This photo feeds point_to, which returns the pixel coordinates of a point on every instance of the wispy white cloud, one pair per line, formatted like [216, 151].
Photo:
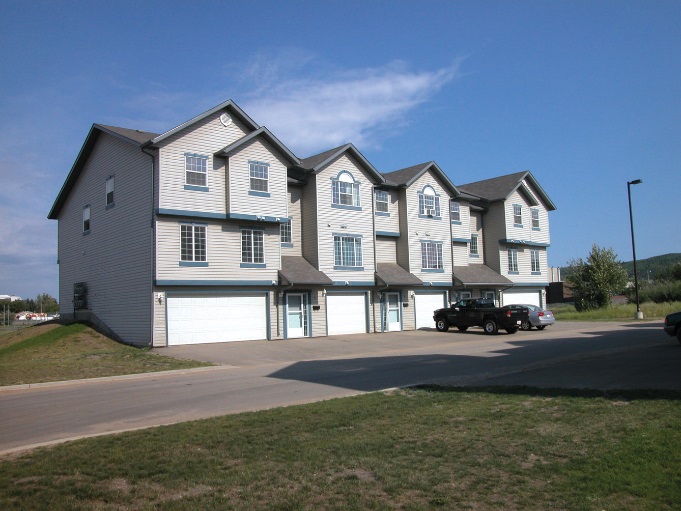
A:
[361, 106]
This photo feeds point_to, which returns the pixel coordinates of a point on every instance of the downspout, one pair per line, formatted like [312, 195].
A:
[153, 244]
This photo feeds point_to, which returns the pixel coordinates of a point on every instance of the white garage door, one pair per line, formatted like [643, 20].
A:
[425, 305]
[203, 319]
[346, 313]
[522, 297]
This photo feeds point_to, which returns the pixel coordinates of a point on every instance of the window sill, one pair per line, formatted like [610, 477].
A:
[346, 206]
[432, 270]
[196, 188]
[474, 256]
[456, 222]
[520, 226]
[349, 268]
[110, 206]
[287, 245]
[194, 264]
[430, 217]
[535, 273]
[382, 213]
[258, 194]
[513, 273]
[252, 265]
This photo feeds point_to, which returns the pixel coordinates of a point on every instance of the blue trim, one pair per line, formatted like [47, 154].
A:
[456, 222]
[432, 270]
[366, 283]
[287, 245]
[193, 155]
[256, 162]
[344, 206]
[349, 268]
[437, 284]
[85, 233]
[257, 218]
[195, 214]
[194, 264]
[388, 233]
[196, 188]
[474, 256]
[538, 285]
[536, 228]
[428, 217]
[258, 194]
[535, 273]
[381, 213]
[524, 242]
[253, 265]
[200, 224]
[461, 240]
[337, 178]
[513, 273]
[213, 283]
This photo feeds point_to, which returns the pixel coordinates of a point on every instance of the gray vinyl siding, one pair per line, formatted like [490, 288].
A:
[332, 220]
[495, 230]
[391, 221]
[463, 229]
[403, 254]
[476, 228]
[223, 247]
[295, 195]
[309, 228]
[240, 201]
[429, 229]
[114, 259]
[386, 249]
[203, 138]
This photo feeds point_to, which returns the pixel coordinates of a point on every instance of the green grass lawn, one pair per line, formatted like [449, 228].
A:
[624, 312]
[426, 448]
[54, 353]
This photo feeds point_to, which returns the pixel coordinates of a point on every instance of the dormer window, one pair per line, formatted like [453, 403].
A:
[429, 203]
[345, 190]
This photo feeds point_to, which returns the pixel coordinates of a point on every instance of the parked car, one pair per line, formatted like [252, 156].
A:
[479, 312]
[672, 325]
[538, 317]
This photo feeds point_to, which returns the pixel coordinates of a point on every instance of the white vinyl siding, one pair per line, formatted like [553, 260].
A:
[118, 281]
[386, 250]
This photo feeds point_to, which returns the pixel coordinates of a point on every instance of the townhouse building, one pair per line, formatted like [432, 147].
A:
[215, 231]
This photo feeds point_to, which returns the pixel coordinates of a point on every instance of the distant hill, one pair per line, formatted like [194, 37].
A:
[657, 267]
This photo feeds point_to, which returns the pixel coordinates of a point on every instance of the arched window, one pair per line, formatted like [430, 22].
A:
[429, 202]
[345, 190]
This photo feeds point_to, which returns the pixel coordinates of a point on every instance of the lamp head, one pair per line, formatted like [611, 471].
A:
[635, 182]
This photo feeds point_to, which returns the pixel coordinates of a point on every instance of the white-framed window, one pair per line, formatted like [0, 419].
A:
[382, 201]
[473, 247]
[347, 251]
[345, 191]
[517, 214]
[252, 246]
[86, 218]
[192, 243]
[455, 211]
[110, 191]
[512, 260]
[534, 258]
[260, 175]
[195, 170]
[429, 202]
[535, 218]
[285, 232]
[431, 255]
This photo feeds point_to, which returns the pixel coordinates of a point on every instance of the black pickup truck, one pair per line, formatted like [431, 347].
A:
[480, 312]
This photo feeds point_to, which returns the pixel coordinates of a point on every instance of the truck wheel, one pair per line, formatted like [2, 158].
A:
[462, 328]
[490, 326]
[441, 325]
[512, 330]
[526, 325]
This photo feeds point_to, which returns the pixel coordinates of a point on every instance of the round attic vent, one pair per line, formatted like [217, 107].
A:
[225, 119]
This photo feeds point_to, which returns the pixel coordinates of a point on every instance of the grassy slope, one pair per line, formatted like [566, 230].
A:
[72, 352]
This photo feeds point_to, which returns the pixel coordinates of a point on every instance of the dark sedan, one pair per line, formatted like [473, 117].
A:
[672, 325]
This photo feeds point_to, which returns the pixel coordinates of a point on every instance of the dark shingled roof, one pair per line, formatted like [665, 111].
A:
[500, 188]
[394, 275]
[138, 136]
[479, 274]
[404, 176]
[312, 161]
[297, 270]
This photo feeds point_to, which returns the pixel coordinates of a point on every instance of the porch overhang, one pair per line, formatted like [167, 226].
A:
[392, 274]
[296, 270]
[479, 275]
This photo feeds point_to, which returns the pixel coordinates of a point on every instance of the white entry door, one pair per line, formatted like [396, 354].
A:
[296, 315]
[391, 311]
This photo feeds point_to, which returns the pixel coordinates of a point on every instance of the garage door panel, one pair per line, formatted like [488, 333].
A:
[208, 319]
[425, 305]
[346, 313]
[522, 297]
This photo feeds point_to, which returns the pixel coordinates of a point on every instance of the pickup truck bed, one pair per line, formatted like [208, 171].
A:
[482, 313]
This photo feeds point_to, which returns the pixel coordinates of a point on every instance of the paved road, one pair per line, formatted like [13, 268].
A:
[259, 375]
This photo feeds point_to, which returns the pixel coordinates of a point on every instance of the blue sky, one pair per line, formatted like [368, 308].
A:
[586, 95]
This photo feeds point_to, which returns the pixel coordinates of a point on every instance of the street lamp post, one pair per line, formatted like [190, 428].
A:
[639, 313]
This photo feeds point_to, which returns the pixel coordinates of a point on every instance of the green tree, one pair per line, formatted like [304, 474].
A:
[595, 280]
[676, 271]
[46, 303]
